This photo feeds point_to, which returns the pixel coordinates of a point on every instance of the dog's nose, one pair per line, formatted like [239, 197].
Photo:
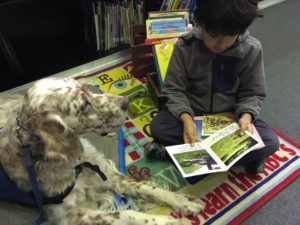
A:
[124, 104]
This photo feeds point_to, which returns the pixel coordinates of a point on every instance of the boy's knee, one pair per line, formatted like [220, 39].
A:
[276, 143]
[154, 128]
[273, 144]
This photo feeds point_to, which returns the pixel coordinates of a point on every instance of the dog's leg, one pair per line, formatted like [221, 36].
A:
[186, 204]
[84, 216]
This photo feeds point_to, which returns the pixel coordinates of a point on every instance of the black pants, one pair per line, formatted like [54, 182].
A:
[168, 130]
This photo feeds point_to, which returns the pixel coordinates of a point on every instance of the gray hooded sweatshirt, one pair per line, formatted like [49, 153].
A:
[232, 81]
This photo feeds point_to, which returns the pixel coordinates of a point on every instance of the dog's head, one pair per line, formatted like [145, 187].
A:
[70, 104]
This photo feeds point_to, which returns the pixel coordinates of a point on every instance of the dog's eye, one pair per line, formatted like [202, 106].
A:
[86, 106]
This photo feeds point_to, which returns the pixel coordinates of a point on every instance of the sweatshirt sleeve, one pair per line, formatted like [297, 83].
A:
[252, 88]
[176, 84]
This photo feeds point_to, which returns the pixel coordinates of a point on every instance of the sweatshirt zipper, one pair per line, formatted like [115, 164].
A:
[214, 71]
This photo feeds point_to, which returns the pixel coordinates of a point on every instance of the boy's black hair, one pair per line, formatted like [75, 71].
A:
[226, 17]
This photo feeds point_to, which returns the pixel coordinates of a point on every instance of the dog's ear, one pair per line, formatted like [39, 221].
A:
[55, 123]
[56, 139]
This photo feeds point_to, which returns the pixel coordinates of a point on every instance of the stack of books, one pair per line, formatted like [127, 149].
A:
[162, 25]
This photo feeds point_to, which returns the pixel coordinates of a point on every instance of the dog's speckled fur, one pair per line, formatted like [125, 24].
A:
[59, 111]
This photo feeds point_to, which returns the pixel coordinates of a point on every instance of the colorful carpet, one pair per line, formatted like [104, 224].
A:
[230, 197]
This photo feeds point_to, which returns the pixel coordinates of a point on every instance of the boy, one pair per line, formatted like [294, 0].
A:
[216, 68]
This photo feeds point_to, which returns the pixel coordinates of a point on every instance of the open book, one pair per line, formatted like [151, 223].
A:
[216, 153]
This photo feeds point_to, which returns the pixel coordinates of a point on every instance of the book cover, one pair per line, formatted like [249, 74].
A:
[198, 121]
[214, 122]
[162, 54]
[183, 14]
[153, 41]
[191, 6]
[158, 28]
[216, 153]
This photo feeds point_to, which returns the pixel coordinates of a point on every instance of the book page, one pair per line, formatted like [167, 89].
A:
[195, 160]
[229, 146]
[257, 136]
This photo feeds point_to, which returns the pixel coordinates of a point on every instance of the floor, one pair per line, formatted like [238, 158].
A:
[279, 33]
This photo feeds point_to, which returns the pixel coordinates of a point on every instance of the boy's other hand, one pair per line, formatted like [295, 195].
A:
[189, 129]
[245, 123]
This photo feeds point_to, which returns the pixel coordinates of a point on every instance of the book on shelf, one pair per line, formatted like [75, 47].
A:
[158, 28]
[166, 24]
[177, 4]
[189, 5]
[184, 4]
[166, 5]
[183, 14]
[217, 153]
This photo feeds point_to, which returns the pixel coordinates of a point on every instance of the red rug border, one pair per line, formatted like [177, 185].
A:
[272, 193]
[286, 138]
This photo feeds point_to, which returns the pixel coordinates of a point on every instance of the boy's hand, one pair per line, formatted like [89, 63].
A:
[245, 123]
[189, 129]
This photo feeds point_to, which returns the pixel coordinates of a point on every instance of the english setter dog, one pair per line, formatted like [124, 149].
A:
[51, 117]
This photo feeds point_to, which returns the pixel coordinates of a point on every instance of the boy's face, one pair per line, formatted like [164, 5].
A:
[217, 43]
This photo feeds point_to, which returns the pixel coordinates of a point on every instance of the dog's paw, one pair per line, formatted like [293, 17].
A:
[187, 204]
[156, 220]
[165, 220]
[112, 134]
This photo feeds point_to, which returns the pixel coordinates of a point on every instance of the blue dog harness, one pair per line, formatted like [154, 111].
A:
[9, 191]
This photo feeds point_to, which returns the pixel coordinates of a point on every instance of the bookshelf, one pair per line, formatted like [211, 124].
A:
[111, 20]
[42, 38]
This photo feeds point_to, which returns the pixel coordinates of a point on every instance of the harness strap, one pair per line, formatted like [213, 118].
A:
[95, 168]
[26, 151]
[59, 198]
